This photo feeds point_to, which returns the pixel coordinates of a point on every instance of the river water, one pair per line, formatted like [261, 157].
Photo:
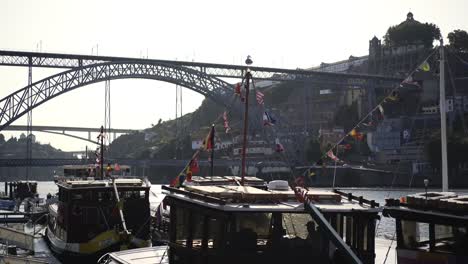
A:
[385, 226]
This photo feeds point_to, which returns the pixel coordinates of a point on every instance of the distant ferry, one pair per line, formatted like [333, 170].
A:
[92, 217]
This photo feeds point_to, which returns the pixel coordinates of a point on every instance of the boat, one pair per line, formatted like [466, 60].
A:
[248, 224]
[90, 219]
[432, 227]
[98, 211]
[432, 230]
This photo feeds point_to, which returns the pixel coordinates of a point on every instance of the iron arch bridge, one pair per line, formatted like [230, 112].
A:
[20, 102]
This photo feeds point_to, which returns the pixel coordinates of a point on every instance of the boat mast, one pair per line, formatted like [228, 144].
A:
[248, 76]
[101, 160]
[443, 120]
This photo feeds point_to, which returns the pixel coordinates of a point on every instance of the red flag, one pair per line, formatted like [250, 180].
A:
[226, 124]
[208, 141]
[299, 181]
[237, 89]
[194, 168]
[259, 95]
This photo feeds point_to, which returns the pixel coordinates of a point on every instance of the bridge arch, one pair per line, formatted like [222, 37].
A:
[20, 102]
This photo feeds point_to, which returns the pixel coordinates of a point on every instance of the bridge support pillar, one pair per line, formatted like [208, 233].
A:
[89, 135]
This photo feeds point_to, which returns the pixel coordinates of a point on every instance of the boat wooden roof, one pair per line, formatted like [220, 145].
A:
[249, 198]
[76, 184]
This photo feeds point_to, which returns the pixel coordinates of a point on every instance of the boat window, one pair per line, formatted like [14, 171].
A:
[415, 235]
[182, 226]
[256, 222]
[197, 229]
[215, 232]
[295, 225]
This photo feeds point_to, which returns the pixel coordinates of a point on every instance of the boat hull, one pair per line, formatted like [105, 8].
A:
[91, 250]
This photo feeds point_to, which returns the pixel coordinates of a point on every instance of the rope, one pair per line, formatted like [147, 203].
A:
[389, 247]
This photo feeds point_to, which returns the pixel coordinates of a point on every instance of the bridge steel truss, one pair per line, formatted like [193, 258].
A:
[67, 61]
[20, 102]
[203, 78]
[60, 130]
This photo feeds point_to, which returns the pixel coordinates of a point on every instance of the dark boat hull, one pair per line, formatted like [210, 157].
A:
[85, 252]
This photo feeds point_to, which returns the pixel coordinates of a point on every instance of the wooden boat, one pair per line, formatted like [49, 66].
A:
[95, 216]
[247, 224]
[430, 231]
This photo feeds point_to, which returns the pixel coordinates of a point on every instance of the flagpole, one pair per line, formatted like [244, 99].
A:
[443, 120]
[101, 161]
[212, 149]
[248, 75]
[334, 172]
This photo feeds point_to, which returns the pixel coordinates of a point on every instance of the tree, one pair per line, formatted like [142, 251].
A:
[412, 32]
[458, 40]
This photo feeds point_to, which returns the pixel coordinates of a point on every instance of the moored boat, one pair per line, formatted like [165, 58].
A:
[92, 217]
[430, 230]
[232, 224]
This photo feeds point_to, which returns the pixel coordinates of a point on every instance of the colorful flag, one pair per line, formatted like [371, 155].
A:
[177, 182]
[237, 89]
[194, 168]
[424, 66]
[279, 146]
[300, 181]
[394, 96]
[381, 110]
[188, 174]
[332, 156]
[410, 81]
[369, 124]
[208, 141]
[226, 123]
[268, 120]
[260, 96]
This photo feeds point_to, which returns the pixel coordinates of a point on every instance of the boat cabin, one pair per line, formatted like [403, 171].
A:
[246, 224]
[430, 227]
[87, 208]
[91, 171]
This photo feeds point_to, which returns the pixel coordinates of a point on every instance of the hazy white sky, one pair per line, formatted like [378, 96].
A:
[287, 34]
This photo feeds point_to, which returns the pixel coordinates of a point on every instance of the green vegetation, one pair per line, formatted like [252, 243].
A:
[411, 32]
[458, 40]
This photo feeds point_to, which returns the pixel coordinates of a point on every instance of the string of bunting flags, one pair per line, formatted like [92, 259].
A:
[358, 132]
